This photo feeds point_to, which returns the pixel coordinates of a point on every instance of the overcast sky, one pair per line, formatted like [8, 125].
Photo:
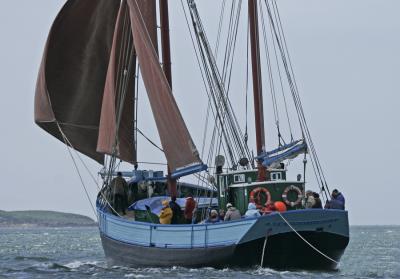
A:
[347, 64]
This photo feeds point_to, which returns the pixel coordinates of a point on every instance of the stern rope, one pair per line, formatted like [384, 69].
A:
[309, 244]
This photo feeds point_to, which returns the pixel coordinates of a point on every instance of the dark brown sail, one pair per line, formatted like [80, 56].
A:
[72, 74]
[118, 101]
[178, 146]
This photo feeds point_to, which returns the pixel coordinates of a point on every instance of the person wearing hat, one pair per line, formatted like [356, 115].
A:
[166, 213]
[310, 200]
[337, 201]
[232, 213]
[213, 218]
[252, 211]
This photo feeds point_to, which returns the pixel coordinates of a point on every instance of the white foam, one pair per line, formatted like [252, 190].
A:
[131, 275]
[77, 264]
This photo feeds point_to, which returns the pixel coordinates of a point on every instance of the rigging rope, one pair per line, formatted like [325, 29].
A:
[225, 118]
[68, 143]
[279, 35]
[136, 102]
[247, 78]
[270, 76]
[77, 170]
[197, 55]
[206, 76]
[263, 250]
[221, 18]
[308, 243]
[149, 140]
[281, 84]
[124, 69]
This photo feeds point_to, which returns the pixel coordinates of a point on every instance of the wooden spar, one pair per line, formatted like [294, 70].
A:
[257, 84]
[165, 43]
[166, 60]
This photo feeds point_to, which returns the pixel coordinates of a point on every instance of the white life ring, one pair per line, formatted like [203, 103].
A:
[299, 195]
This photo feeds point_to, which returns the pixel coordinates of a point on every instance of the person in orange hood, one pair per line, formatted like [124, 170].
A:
[190, 206]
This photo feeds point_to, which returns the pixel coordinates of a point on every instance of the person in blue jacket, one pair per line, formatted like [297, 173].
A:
[252, 211]
[213, 217]
[337, 201]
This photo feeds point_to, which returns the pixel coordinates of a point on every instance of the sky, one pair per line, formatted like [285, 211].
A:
[347, 64]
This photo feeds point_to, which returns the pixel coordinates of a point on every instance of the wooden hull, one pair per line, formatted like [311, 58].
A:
[325, 229]
[283, 251]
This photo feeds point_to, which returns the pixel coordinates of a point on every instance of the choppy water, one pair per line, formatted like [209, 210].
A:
[373, 252]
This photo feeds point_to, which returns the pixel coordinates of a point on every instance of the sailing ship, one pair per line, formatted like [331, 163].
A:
[86, 96]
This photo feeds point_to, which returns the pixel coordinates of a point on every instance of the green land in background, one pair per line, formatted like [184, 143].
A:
[43, 218]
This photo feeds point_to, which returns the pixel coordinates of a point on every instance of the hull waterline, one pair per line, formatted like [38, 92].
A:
[282, 252]
[283, 247]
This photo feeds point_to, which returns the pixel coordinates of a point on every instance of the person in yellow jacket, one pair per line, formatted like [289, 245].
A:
[166, 213]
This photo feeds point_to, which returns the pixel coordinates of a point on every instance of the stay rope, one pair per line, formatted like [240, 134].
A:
[308, 243]
[226, 120]
[69, 144]
[278, 33]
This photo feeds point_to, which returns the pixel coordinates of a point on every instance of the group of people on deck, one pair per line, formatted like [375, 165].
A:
[337, 200]
[233, 213]
[171, 209]
[172, 213]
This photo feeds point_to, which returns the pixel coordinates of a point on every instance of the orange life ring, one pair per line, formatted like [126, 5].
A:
[299, 195]
[255, 196]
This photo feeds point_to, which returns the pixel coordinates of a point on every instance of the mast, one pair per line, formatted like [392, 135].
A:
[165, 44]
[257, 85]
[166, 60]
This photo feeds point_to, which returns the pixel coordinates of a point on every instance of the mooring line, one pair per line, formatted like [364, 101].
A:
[312, 246]
[263, 251]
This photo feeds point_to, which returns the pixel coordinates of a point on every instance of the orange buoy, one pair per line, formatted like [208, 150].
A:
[280, 206]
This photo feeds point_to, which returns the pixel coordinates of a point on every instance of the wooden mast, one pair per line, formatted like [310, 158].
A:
[166, 60]
[257, 84]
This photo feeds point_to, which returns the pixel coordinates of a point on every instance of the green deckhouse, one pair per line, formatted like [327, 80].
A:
[239, 187]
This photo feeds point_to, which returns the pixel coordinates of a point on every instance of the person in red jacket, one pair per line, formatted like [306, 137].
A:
[190, 206]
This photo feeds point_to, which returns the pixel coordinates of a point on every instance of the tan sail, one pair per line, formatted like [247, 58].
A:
[72, 75]
[116, 122]
[176, 141]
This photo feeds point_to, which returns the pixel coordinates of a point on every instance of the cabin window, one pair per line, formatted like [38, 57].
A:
[276, 176]
[222, 186]
[238, 178]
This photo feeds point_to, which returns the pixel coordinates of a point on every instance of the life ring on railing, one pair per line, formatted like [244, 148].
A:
[299, 195]
[255, 196]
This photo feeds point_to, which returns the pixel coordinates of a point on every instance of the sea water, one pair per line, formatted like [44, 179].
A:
[373, 252]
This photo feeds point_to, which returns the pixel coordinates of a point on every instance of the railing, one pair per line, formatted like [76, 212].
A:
[176, 236]
[220, 234]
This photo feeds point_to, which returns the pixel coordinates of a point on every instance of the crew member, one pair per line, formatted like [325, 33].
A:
[119, 189]
[337, 201]
[166, 213]
[190, 206]
[232, 213]
[176, 210]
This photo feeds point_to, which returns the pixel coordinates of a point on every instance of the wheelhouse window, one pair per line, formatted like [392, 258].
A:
[239, 178]
[276, 176]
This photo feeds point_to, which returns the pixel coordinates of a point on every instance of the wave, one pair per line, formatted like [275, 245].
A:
[24, 258]
[78, 264]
